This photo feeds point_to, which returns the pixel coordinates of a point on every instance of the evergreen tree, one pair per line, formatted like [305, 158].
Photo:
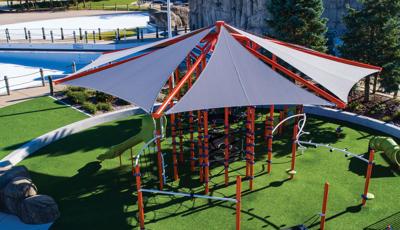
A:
[373, 36]
[299, 22]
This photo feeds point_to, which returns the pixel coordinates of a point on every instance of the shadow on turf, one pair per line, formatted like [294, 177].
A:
[350, 209]
[392, 220]
[378, 171]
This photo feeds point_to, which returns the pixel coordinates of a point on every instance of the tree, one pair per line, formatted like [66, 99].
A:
[372, 36]
[299, 22]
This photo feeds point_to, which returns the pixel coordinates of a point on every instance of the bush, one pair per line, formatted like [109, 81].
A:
[89, 107]
[378, 109]
[78, 97]
[356, 106]
[103, 97]
[104, 106]
[396, 115]
[386, 118]
[75, 88]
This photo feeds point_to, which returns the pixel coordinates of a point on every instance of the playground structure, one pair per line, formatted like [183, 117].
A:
[204, 82]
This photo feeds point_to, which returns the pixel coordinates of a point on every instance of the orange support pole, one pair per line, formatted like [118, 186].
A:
[226, 163]
[238, 200]
[173, 135]
[252, 144]
[159, 159]
[191, 128]
[200, 143]
[140, 197]
[206, 162]
[280, 129]
[180, 115]
[248, 142]
[324, 205]
[368, 176]
[270, 128]
[294, 148]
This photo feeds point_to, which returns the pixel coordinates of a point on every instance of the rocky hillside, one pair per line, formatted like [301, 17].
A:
[251, 15]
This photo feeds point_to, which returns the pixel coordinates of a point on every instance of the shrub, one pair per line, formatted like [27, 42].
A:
[396, 115]
[103, 97]
[356, 106]
[378, 109]
[386, 118]
[75, 88]
[89, 107]
[104, 106]
[78, 97]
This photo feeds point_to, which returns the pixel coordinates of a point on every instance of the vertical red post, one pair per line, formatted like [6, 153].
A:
[280, 129]
[159, 159]
[173, 135]
[206, 162]
[252, 144]
[238, 200]
[140, 197]
[294, 148]
[226, 163]
[270, 128]
[324, 205]
[200, 143]
[191, 128]
[248, 142]
[368, 176]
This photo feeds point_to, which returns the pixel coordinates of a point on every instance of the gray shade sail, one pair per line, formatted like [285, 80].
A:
[139, 81]
[337, 77]
[234, 77]
[114, 56]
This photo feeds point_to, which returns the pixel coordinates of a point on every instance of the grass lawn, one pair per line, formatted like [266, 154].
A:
[24, 121]
[110, 5]
[101, 195]
[111, 35]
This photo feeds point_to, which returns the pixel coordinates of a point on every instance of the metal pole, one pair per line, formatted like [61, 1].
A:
[86, 37]
[51, 36]
[80, 34]
[226, 162]
[294, 148]
[206, 162]
[51, 85]
[99, 34]
[157, 32]
[29, 36]
[7, 85]
[42, 76]
[62, 33]
[43, 34]
[140, 196]
[74, 34]
[73, 67]
[26, 34]
[270, 136]
[117, 35]
[169, 18]
[159, 158]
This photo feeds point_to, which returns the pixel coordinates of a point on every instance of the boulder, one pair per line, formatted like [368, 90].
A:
[8, 175]
[39, 209]
[15, 192]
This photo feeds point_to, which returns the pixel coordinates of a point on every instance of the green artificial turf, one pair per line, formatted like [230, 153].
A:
[24, 121]
[101, 195]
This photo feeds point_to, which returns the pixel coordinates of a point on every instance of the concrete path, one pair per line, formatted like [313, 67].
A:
[9, 18]
[26, 94]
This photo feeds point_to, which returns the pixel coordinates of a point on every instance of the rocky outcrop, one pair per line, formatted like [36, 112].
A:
[18, 196]
[179, 16]
[252, 15]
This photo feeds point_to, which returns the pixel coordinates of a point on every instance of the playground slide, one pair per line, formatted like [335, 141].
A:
[146, 134]
[390, 148]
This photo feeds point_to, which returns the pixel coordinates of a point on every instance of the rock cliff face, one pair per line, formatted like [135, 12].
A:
[251, 15]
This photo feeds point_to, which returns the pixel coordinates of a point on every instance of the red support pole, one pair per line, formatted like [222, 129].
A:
[238, 200]
[173, 135]
[270, 128]
[200, 143]
[159, 159]
[324, 205]
[294, 148]
[206, 162]
[368, 176]
[180, 115]
[140, 198]
[280, 129]
[248, 142]
[226, 163]
[191, 128]
[252, 144]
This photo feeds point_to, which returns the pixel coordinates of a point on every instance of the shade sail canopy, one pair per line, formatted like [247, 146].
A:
[234, 77]
[114, 56]
[139, 81]
[336, 76]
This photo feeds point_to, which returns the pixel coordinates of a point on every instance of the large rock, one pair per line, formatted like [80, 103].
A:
[15, 192]
[39, 209]
[8, 175]
[179, 16]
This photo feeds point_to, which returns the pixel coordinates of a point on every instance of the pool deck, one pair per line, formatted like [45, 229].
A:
[26, 94]
[10, 18]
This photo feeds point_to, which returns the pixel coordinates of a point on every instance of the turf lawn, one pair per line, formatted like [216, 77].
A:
[101, 195]
[24, 121]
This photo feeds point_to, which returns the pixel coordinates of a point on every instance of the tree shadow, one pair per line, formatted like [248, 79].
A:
[350, 209]
[378, 171]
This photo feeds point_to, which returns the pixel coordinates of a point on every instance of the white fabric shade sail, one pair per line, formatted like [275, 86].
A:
[115, 56]
[335, 76]
[234, 77]
[139, 81]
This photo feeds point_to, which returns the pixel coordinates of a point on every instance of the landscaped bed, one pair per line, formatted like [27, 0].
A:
[24, 121]
[101, 195]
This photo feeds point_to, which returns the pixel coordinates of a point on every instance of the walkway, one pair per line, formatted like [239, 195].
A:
[26, 94]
